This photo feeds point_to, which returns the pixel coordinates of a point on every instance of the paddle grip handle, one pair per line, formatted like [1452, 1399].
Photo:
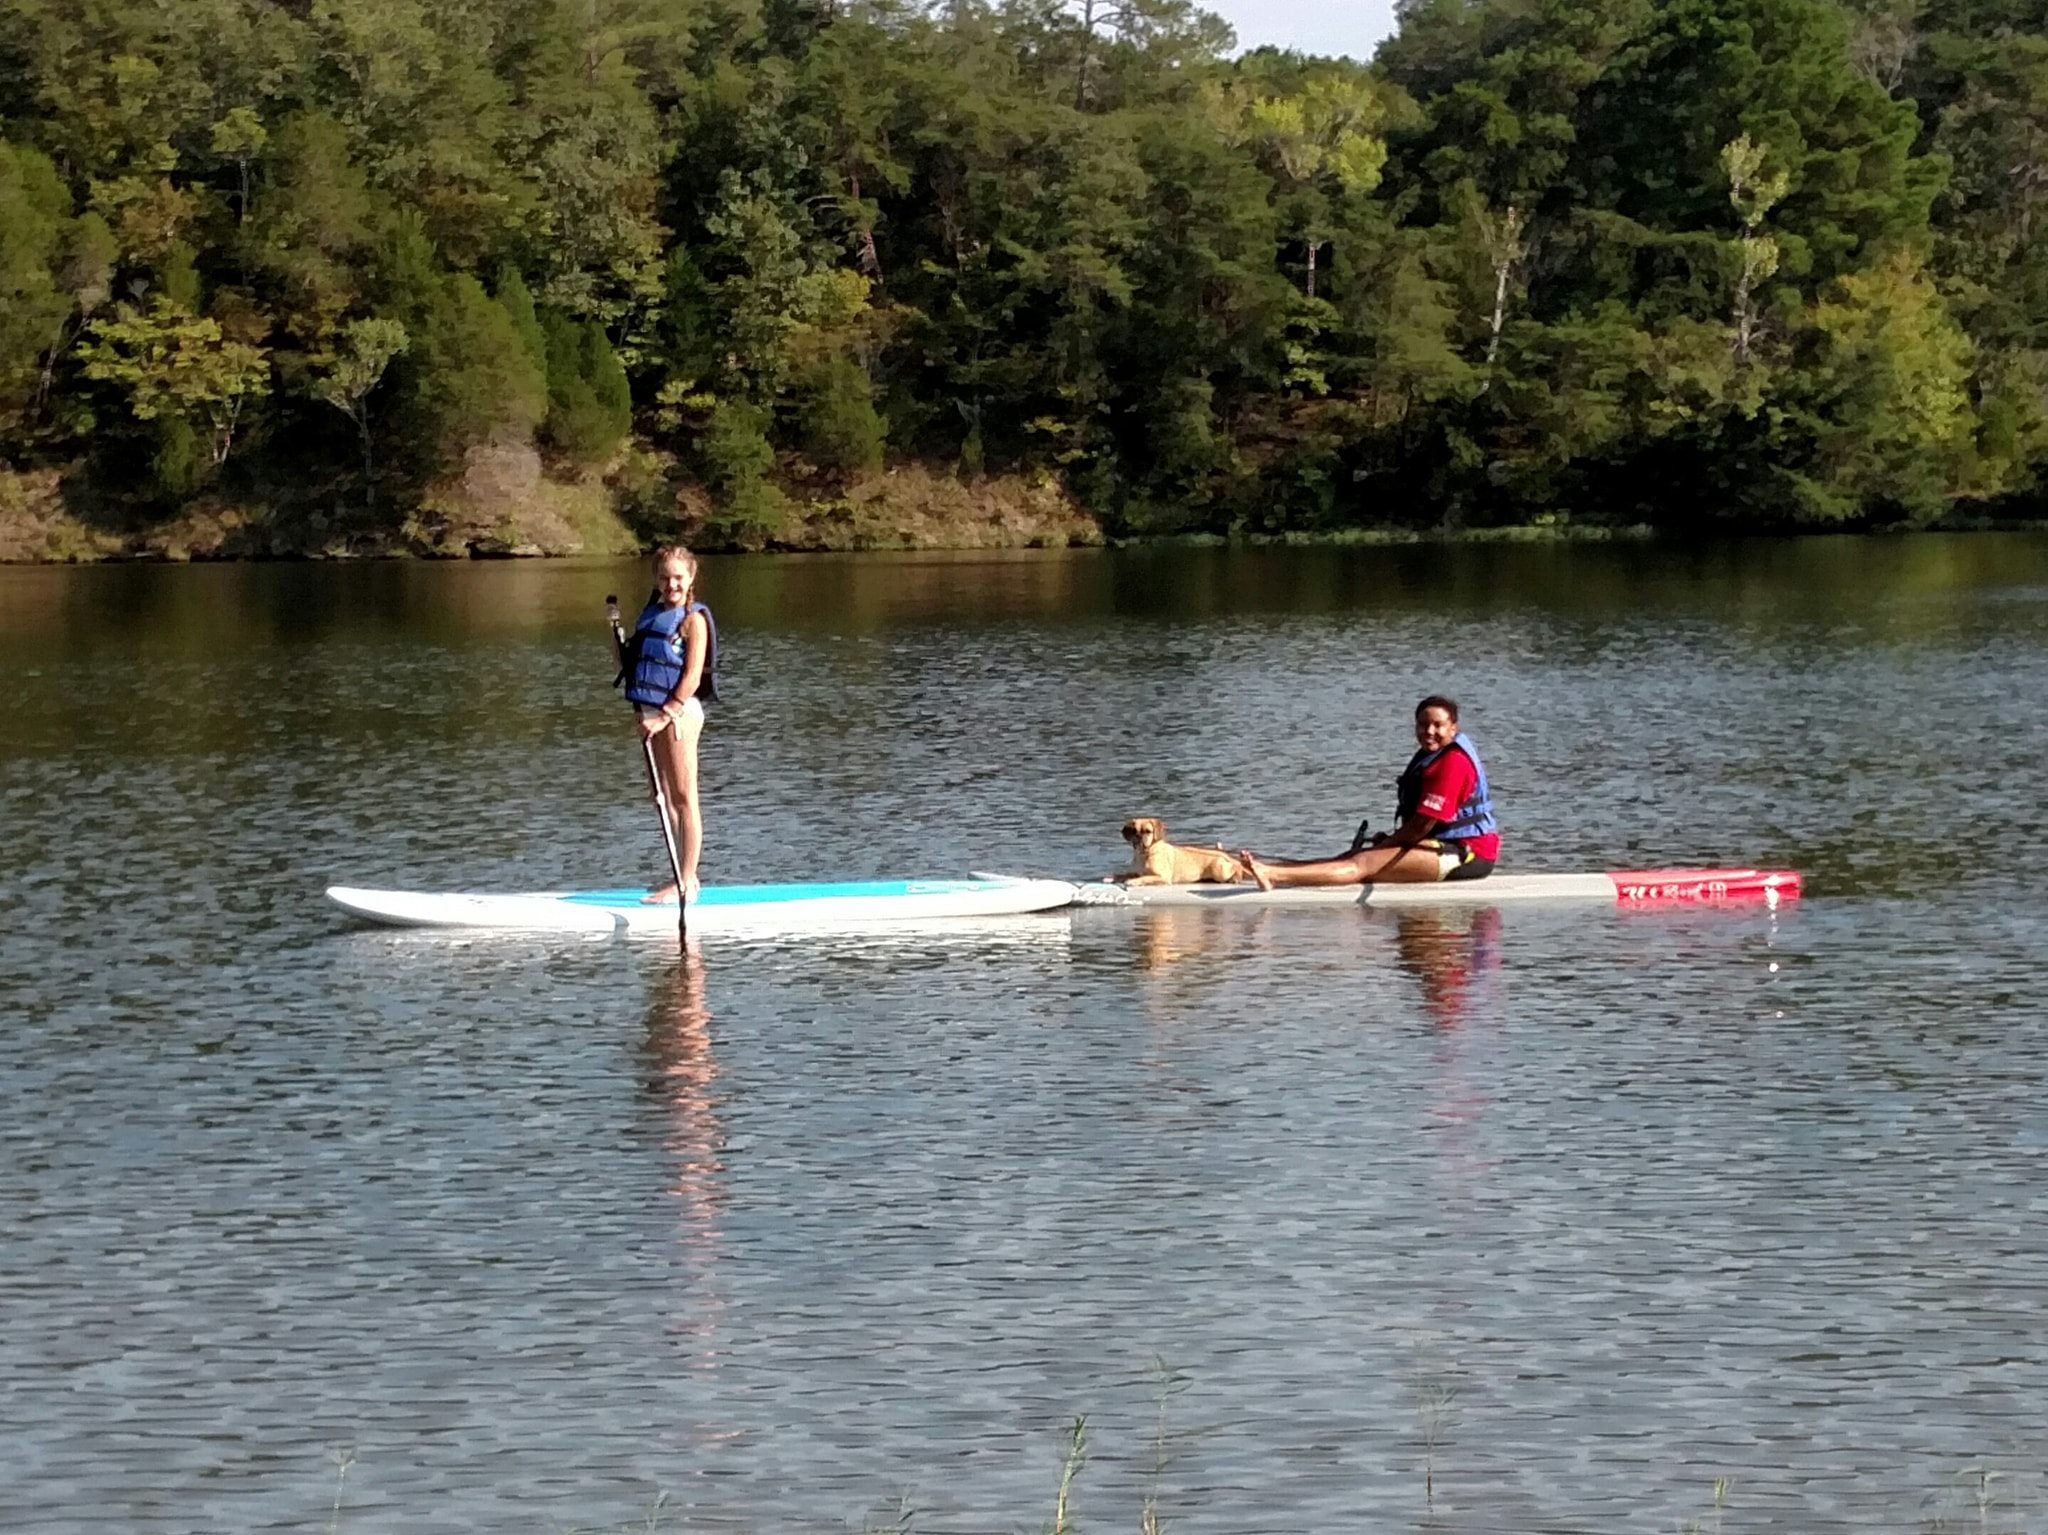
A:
[611, 613]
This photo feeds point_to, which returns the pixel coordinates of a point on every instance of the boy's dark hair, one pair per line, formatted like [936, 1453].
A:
[1438, 701]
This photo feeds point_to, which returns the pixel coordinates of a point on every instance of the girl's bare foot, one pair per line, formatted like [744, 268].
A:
[692, 888]
[665, 896]
[1252, 867]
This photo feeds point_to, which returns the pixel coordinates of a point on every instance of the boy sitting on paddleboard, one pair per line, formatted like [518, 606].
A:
[1446, 827]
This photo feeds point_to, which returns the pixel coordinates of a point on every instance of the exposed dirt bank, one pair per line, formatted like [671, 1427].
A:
[504, 504]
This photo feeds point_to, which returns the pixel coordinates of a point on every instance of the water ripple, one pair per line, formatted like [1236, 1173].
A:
[1471, 1221]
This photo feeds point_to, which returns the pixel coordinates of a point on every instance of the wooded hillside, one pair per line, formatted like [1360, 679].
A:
[1765, 261]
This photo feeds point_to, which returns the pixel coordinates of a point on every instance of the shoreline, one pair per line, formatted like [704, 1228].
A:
[906, 508]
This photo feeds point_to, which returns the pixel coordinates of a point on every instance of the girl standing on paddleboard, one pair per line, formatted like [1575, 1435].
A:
[669, 665]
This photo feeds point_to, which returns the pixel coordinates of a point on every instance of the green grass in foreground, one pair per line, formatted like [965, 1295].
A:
[1975, 1500]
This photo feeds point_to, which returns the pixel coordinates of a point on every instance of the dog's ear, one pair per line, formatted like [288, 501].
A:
[1130, 831]
[1158, 828]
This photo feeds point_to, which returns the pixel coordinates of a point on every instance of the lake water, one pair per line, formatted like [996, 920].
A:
[1465, 1221]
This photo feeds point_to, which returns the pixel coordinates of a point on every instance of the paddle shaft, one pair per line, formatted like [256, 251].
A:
[654, 788]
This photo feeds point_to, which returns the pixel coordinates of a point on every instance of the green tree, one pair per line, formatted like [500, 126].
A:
[1705, 72]
[849, 92]
[473, 381]
[1983, 91]
[309, 241]
[1898, 425]
[35, 218]
[428, 116]
[1320, 138]
[239, 138]
[517, 301]
[1414, 362]
[1753, 192]
[590, 406]
[347, 374]
[842, 430]
[763, 247]
[589, 80]
[736, 459]
[170, 363]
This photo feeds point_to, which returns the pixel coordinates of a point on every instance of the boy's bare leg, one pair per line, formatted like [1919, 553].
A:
[1368, 866]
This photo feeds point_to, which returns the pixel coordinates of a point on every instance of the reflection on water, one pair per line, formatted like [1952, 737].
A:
[1164, 937]
[1467, 1219]
[1455, 955]
[46, 610]
[1451, 952]
[682, 1080]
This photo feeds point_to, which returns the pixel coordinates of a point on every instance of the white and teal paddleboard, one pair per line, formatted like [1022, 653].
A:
[756, 909]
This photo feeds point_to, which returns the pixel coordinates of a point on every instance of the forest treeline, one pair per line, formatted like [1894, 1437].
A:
[1685, 262]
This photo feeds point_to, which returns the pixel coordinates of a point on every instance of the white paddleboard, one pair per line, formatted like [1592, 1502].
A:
[757, 909]
[1638, 887]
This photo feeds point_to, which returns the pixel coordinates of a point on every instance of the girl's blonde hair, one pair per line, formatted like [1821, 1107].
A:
[663, 553]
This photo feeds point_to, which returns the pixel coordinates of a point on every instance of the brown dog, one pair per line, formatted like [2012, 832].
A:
[1159, 862]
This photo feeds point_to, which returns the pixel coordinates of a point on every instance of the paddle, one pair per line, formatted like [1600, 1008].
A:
[660, 796]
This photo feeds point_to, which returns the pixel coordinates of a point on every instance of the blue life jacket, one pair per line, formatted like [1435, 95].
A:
[1474, 818]
[652, 658]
